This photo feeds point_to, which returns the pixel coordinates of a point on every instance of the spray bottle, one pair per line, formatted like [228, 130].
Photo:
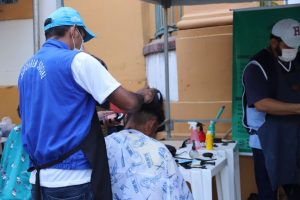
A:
[194, 134]
[201, 134]
[193, 152]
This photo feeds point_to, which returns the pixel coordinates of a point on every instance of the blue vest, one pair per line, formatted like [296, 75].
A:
[253, 119]
[56, 112]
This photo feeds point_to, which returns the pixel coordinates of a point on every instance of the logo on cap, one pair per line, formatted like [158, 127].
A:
[296, 30]
[75, 19]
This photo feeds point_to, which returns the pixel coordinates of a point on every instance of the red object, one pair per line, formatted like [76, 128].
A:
[201, 136]
[201, 133]
[115, 108]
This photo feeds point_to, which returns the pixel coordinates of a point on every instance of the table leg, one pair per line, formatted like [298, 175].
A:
[227, 185]
[219, 186]
[206, 184]
[234, 173]
[198, 186]
[237, 175]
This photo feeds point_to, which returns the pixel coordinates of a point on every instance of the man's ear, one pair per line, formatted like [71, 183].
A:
[273, 43]
[150, 127]
[73, 31]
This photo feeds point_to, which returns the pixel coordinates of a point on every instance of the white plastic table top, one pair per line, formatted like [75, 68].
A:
[226, 171]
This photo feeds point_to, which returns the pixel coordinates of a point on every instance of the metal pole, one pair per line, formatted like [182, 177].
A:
[172, 16]
[36, 29]
[59, 3]
[167, 100]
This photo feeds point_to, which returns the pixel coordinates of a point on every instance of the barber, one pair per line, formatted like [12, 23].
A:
[272, 111]
[58, 88]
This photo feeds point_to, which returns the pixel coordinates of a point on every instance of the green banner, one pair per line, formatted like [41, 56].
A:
[251, 33]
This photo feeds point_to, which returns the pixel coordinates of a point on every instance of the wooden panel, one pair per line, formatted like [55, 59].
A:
[248, 185]
[20, 10]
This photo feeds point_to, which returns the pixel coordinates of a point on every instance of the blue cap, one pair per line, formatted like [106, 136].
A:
[66, 16]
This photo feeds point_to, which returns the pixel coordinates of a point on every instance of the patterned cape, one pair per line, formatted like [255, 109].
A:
[143, 168]
[14, 180]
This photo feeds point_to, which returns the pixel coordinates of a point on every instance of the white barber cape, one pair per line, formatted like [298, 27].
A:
[143, 168]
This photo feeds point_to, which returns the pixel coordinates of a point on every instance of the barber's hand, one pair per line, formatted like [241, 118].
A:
[108, 118]
[147, 93]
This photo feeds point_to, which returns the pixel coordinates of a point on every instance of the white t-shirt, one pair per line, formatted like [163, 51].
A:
[92, 76]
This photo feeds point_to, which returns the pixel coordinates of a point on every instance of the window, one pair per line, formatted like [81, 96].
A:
[175, 13]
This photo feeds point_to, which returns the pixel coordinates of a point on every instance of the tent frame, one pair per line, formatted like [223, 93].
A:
[167, 4]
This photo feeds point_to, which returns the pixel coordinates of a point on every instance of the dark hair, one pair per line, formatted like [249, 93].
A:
[275, 37]
[81, 30]
[58, 31]
[154, 108]
[140, 117]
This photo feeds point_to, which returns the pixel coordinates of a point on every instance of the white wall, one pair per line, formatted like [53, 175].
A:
[16, 46]
[16, 43]
[155, 67]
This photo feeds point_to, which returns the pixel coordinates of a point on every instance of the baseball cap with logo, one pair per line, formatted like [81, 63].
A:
[66, 16]
[289, 31]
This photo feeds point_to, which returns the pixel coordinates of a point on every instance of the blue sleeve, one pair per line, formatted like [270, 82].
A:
[256, 85]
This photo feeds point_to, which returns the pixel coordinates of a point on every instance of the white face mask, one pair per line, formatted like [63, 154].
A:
[288, 55]
[81, 45]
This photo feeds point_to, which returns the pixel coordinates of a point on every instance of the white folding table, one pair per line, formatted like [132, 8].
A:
[226, 171]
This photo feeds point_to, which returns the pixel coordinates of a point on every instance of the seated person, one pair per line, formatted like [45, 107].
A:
[140, 166]
[14, 180]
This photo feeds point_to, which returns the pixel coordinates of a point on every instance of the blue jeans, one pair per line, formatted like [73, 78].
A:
[75, 192]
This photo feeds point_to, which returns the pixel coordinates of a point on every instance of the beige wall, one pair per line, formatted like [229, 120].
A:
[20, 10]
[204, 60]
[9, 101]
[204, 73]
